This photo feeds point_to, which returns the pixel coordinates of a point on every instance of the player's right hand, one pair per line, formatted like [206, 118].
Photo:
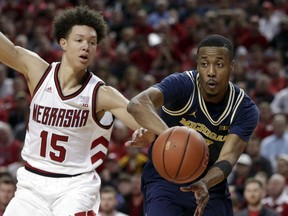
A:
[141, 138]
[201, 194]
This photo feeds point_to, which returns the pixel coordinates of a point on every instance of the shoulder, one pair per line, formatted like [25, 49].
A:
[242, 213]
[268, 140]
[177, 80]
[269, 212]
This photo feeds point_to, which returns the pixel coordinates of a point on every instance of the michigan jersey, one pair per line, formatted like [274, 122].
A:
[185, 106]
[63, 134]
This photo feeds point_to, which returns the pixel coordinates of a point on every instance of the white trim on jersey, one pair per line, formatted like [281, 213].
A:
[63, 136]
[187, 105]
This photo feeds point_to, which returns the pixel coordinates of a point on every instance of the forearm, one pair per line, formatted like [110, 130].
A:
[146, 115]
[217, 173]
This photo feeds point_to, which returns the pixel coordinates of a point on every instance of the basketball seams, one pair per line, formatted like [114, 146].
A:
[200, 164]
[163, 153]
[176, 154]
[184, 153]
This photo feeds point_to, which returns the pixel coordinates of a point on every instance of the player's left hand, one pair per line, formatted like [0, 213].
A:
[201, 194]
[140, 138]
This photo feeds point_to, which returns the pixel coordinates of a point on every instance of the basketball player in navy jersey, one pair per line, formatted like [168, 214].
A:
[70, 123]
[206, 101]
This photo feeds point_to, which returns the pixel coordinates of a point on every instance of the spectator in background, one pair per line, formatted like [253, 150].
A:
[130, 84]
[121, 63]
[18, 115]
[261, 92]
[127, 39]
[7, 190]
[143, 54]
[160, 14]
[110, 171]
[277, 143]
[263, 178]
[10, 148]
[6, 84]
[259, 163]
[120, 134]
[124, 188]
[133, 162]
[147, 81]
[264, 127]
[253, 35]
[277, 196]
[280, 102]
[134, 199]
[253, 194]
[109, 202]
[280, 42]
[269, 20]
[276, 73]
[282, 167]
[240, 173]
[257, 64]
[141, 27]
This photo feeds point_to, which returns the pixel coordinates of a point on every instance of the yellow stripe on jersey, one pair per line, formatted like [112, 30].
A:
[238, 102]
[188, 104]
[227, 110]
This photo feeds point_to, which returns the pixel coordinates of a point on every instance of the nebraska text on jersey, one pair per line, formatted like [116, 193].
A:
[60, 117]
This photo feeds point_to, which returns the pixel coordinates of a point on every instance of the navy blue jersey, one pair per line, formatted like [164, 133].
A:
[185, 106]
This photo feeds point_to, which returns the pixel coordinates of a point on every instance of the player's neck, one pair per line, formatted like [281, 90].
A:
[215, 99]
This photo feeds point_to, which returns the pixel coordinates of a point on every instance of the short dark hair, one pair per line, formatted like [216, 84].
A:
[216, 40]
[108, 189]
[80, 15]
[253, 180]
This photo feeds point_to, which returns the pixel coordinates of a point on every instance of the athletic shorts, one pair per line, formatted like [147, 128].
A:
[48, 196]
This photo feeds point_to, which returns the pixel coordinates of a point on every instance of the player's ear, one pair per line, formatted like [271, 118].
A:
[232, 66]
[63, 43]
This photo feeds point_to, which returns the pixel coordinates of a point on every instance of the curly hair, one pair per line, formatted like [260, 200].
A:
[80, 15]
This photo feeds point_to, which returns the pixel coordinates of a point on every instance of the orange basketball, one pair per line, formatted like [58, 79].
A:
[180, 154]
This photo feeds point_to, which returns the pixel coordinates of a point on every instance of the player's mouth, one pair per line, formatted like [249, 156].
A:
[211, 84]
[84, 58]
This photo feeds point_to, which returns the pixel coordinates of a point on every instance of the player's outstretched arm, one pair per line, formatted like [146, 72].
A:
[22, 60]
[144, 107]
[110, 99]
[231, 151]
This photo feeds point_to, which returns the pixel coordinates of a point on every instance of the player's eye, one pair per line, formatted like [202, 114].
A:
[204, 64]
[92, 43]
[219, 64]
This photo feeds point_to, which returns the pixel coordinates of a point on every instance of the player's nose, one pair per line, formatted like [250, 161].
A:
[211, 71]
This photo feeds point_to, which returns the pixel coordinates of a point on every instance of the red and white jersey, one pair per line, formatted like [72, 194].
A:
[64, 135]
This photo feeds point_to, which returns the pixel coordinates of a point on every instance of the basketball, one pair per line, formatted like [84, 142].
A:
[180, 154]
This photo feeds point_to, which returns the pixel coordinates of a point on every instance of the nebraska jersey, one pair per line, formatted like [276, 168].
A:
[63, 134]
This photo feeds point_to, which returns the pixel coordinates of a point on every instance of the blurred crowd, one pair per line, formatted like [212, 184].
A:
[148, 40]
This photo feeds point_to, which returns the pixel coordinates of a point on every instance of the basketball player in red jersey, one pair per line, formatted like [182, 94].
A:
[70, 123]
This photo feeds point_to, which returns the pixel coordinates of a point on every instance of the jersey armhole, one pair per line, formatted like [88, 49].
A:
[94, 114]
[47, 71]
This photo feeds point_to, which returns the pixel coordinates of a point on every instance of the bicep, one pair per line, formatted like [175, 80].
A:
[110, 99]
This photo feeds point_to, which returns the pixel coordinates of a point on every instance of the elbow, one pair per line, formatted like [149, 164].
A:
[133, 106]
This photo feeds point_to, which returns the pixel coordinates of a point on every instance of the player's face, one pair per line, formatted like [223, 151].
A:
[214, 66]
[80, 46]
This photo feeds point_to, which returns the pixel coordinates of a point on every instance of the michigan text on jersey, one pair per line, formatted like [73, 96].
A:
[60, 117]
[204, 130]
